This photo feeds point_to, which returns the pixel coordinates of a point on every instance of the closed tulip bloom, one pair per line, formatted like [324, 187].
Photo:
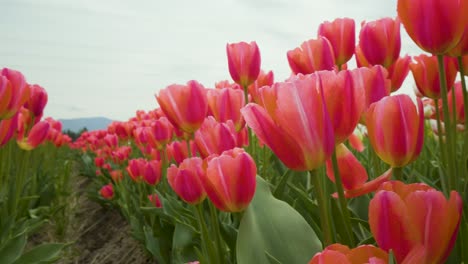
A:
[426, 75]
[294, 122]
[458, 104]
[152, 172]
[214, 138]
[244, 62]
[341, 34]
[395, 127]
[230, 180]
[14, 92]
[344, 100]
[462, 47]
[36, 136]
[37, 100]
[184, 105]
[380, 41]
[361, 60]
[436, 26]
[107, 192]
[159, 134]
[185, 180]
[178, 150]
[398, 71]
[416, 222]
[154, 199]
[225, 104]
[313, 55]
[337, 253]
[135, 168]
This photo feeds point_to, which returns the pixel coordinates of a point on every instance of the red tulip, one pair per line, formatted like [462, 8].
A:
[396, 129]
[186, 181]
[244, 62]
[159, 134]
[225, 104]
[36, 136]
[398, 71]
[462, 47]
[214, 138]
[341, 34]
[313, 55]
[184, 105]
[426, 75]
[178, 151]
[380, 41]
[294, 122]
[116, 175]
[263, 79]
[337, 253]
[37, 100]
[154, 199]
[344, 100]
[415, 221]
[14, 92]
[107, 191]
[8, 129]
[458, 105]
[230, 180]
[436, 26]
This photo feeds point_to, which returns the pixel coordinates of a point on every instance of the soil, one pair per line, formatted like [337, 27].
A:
[97, 235]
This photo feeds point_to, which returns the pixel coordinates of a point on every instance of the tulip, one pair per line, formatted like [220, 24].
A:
[458, 104]
[37, 100]
[353, 174]
[154, 199]
[416, 222]
[225, 104]
[112, 141]
[230, 180]
[214, 138]
[107, 192]
[36, 136]
[396, 129]
[337, 253]
[380, 41]
[462, 46]
[135, 168]
[294, 122]
[355, 141]
[345, 102]
[116, 175]
[398, 71]
[426, 75]
[152, 172]
[186, 181]
[436, 26]
[361, 60]
[263, 79]
[14, 92]
[184, 105]
[244, 62]
[178, 151]
[8, 129]
[160, 133]
[341, 34]
[465, 65]
[313, 55]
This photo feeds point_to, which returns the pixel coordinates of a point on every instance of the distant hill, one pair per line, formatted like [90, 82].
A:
[91, 123]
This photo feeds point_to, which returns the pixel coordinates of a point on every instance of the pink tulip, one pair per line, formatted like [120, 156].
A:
[225, 104]
[36, 136]
[14, 92]
[37, 100]
[341, 34]
[214, 138]
[244, 62]
[186, 180]
[107, 192]
[313, 55]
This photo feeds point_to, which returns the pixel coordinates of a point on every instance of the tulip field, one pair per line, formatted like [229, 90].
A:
[327, 166]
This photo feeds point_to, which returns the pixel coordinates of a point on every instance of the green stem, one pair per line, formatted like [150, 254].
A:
[449, 133]
[397, 173]
[250, 147]
[219, 248]
[322, 201]
[342, 201]
[465, 108]
[443, 150]
[207, 246]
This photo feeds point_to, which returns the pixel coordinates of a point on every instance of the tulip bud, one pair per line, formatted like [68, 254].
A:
[244, 62]
[107, 191]
[185, 180]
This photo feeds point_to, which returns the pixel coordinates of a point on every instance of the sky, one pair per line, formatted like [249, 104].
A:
[110, 57]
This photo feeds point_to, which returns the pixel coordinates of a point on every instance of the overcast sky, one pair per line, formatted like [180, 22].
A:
[109, 57]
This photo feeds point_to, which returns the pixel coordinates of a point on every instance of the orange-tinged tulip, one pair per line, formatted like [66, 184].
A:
[154, 199]
[159, 134]
[36, 136]
[337, 253]
[398, 71]
[341, 34]
[214, 138]
[395, 128]
[380, 41]
[462, 46]
[361, 60]
[355, 141]
[344, 100]
[8, 129]
[426, 75]
[313, 55]
[107, 191]
[458, 105]
[264, 79]
[14, 92]
[416, 222]
[178, 151]
[184, 105]
[230, 180]
[37, 100]
[436, 26]
[225, 104]
[185, 180]
[244, 62]
[294, 122]
[465, 65]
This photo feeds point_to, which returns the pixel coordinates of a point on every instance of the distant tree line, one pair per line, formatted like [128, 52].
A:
[74, 135]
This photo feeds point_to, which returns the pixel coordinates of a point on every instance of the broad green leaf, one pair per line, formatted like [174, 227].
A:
[272, 229]
[184, 243]
[152, 245]
[42, 253]
[12, 249]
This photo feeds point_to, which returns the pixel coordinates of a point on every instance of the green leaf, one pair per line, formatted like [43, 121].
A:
[272, 230]
[12, 249]
[42, 253]
[152, 245]
[184, 243]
